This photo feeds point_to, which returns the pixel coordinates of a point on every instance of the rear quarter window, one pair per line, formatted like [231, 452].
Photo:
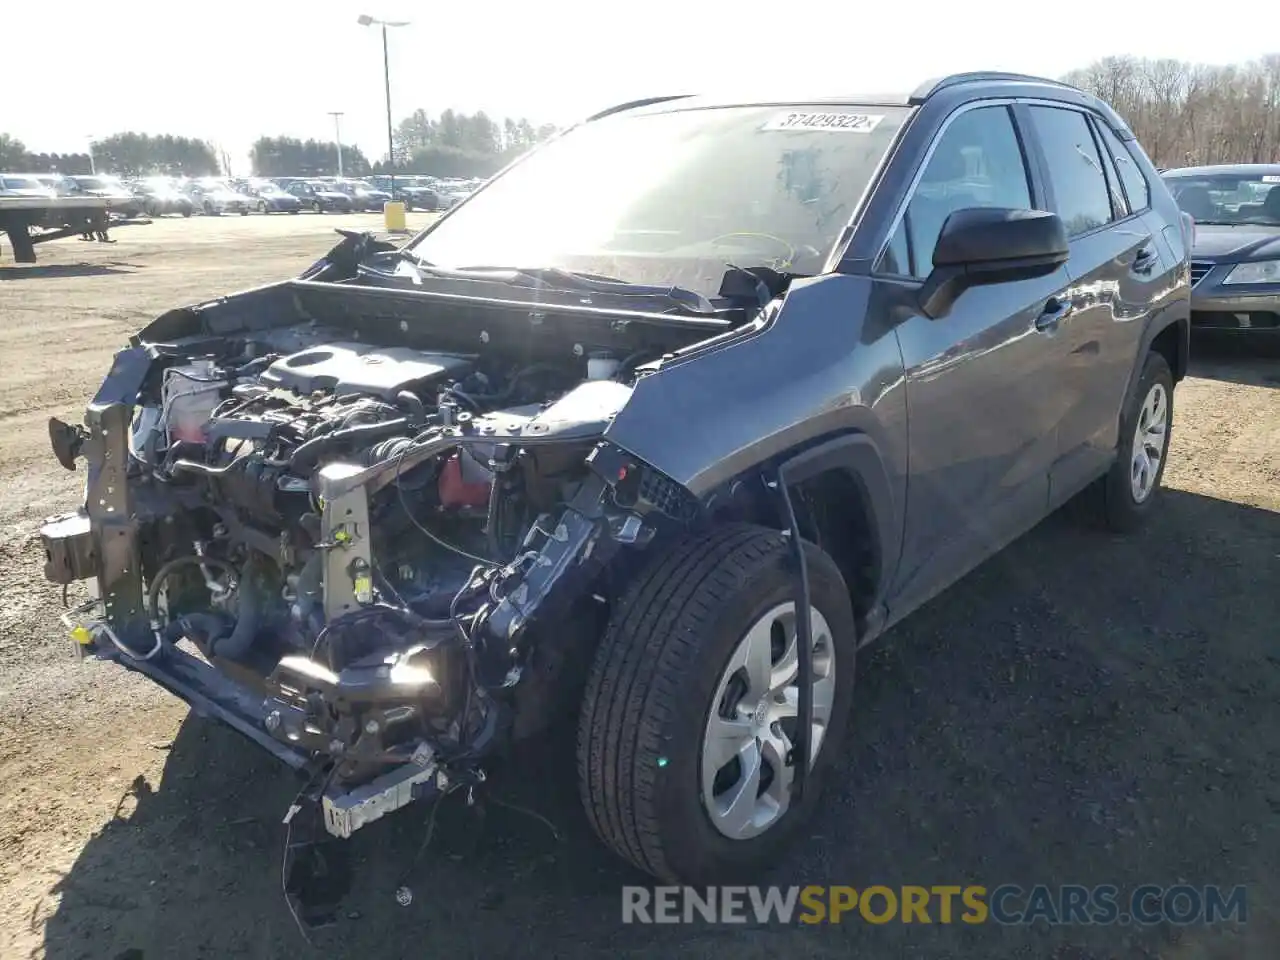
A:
[1135, 183]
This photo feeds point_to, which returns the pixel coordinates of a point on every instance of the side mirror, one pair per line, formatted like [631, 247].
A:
[980, 245]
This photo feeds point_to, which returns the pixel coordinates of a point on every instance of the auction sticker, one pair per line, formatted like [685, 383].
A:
[839, 122]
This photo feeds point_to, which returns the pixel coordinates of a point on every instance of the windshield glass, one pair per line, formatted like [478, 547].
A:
[1229, 198]
[672, 197]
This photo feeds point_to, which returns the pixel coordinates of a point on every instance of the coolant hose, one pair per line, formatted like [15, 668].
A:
[307, 455]
[248, 614]
[166, 571]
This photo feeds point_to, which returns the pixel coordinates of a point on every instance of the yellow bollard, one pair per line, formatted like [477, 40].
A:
[393, 214]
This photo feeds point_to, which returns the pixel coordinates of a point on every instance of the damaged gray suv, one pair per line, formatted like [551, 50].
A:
[661, 456]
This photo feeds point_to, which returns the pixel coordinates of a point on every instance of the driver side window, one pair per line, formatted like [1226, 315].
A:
[978, 162]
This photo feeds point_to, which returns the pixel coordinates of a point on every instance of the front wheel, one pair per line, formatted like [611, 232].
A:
[317, 207]
[685, 740]
[262, 207]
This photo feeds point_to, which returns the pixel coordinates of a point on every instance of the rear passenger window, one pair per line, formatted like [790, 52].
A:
[1135, 184]
[977, 162]
[1075, 168]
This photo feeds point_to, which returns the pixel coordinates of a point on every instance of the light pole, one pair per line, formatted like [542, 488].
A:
[337, 132]
[367, 21]
[93, 167]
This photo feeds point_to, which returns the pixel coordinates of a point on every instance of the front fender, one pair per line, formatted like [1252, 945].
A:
[821, 367]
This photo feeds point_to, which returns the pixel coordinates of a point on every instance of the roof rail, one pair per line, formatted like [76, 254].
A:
[634, 104]
[930, 87]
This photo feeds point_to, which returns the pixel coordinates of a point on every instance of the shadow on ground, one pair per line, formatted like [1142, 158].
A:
[1083, 709]
[1250, 359]
[36, 270]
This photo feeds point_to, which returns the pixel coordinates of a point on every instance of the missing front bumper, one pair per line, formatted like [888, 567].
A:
[210, 694]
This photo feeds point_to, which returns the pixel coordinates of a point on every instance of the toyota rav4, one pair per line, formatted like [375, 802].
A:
[770, 376]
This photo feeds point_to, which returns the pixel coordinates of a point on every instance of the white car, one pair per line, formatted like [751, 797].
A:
[215, 198]
[12, 185]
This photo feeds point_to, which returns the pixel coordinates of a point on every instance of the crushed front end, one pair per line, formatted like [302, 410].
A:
[365, 544]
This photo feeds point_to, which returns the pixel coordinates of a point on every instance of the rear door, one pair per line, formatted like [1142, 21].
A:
[1116, 266]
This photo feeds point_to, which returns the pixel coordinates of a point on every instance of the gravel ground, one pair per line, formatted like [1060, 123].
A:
[1082, 709]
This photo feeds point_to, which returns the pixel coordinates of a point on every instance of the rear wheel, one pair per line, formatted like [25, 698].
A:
[262, 207]
[685, 738]
[317, 207]
[1121, 500]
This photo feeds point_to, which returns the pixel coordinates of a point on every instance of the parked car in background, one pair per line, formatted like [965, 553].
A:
[161, 195]
[453, 191]
[409, 190]
[1235, 258]
[216, 197]
[120, 199]
[363, 196]
[22, 185]
[60, 184]
[321, 197]
[273, 198]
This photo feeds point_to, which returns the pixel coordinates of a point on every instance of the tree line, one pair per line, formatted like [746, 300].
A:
[289, 156]
[1187, 114]
[126, 154]
[462, 145]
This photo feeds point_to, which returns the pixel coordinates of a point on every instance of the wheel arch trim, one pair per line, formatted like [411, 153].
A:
[855, 454]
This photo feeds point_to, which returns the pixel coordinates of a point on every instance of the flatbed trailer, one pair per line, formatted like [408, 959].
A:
[32, 220]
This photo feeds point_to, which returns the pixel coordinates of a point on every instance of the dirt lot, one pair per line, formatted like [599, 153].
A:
[1084, 709]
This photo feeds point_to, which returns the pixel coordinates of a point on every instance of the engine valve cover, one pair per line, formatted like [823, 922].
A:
[358, 368]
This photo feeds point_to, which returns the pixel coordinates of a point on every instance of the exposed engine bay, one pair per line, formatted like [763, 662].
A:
[353, 539]
[350, 514]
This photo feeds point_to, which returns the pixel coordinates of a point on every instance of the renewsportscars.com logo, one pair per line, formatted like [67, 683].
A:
[1008, 904]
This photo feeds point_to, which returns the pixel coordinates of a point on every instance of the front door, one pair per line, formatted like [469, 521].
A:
[982, 381]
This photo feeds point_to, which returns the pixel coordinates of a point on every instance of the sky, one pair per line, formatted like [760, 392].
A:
[232, 71]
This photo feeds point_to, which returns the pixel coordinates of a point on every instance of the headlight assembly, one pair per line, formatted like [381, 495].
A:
[1264, 271]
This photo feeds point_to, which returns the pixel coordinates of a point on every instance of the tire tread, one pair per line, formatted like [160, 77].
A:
[630, 695]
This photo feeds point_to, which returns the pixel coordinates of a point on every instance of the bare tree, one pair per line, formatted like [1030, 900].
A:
[1186, 114]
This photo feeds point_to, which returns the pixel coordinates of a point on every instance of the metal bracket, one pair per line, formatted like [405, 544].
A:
[345, 531]
[109, 501]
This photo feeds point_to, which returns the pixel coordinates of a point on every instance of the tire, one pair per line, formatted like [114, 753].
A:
[293, 210]
[186, 211]
[262, 207]
[648, 700]
[317, 207]
[244, 211]
[1112, 502]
